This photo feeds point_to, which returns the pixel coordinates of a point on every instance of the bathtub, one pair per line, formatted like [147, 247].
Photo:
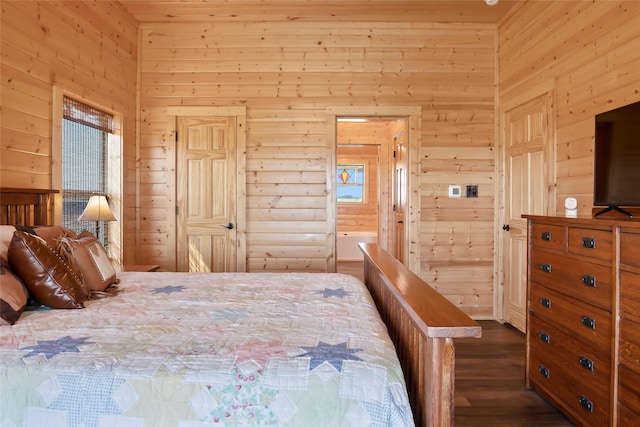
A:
[347, 244]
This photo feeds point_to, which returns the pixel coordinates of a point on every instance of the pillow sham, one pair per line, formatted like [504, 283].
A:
[85, 253]
[13, 295]
[49, 280]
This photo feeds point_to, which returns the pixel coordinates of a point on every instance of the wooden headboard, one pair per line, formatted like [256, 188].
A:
[25, 206]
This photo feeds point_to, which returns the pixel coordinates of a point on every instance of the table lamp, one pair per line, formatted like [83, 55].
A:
[97, 210]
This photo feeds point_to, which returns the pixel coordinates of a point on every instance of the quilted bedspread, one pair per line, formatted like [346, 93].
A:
[199, 349]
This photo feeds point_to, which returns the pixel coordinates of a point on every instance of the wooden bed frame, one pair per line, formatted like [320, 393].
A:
[20, 206]
[421, 322]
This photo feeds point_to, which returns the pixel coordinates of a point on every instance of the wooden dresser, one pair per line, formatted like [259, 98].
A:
[628, 408]
[583, 320]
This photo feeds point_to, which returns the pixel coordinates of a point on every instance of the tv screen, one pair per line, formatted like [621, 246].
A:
[617, 158]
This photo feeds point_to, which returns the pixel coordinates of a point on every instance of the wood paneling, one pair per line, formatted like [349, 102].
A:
[590, 52]
[314, 10]
[286, 67]
[287, 74]
[85, 48]
[359, 143]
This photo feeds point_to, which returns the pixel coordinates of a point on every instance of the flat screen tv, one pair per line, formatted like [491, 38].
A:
[617, 159]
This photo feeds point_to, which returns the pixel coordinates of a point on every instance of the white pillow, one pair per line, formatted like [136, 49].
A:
[6, 234]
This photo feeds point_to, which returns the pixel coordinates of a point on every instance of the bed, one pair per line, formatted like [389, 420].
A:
[207, 349]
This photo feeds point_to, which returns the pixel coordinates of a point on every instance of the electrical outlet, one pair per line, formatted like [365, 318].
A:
[472, 191]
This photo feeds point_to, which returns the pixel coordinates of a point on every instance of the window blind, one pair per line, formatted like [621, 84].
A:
[85, 136]
[87, 115]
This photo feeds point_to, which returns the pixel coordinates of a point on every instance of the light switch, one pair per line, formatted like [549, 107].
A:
[455, 191]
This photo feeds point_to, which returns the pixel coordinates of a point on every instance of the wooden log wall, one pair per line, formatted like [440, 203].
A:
[88, 49]
[287, 74]
[359, 143]
[360, 217]
[588, 54]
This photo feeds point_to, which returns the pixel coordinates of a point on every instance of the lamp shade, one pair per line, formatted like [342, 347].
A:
[97, 210]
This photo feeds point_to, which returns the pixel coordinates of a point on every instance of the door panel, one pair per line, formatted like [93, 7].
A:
[206, 194]
[526, 149]
[399, 199]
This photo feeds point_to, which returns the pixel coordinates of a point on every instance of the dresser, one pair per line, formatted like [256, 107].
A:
[628, 407]
[583, 335]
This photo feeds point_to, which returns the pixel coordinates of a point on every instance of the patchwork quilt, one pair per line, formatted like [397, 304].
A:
[206, 349]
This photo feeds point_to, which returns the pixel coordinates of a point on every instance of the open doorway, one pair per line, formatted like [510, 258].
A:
[371, 186]
[410, 142]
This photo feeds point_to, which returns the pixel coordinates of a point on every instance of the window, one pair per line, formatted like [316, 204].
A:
[350, 183]
[85, 162]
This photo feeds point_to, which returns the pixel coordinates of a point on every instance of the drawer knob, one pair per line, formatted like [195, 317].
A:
[586, 403]
[546, 236]
[589, 322]
[543, 371]
[588, 242]
[544, 337]
[586, 363]
[546, 302]
[589, 281]
[546, 268]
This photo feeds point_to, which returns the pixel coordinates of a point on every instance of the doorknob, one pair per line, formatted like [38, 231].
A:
[505, 227]
[228, 226]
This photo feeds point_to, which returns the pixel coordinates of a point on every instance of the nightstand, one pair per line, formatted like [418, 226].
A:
[139, 268]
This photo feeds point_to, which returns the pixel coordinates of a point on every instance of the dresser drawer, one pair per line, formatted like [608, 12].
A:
[586, 281]
[588, 322]
[630, 249]
[626, 417]
[628, 396]
[581, 363]
[549, 236]
[591, 243]
[629, 293]
[577, 401]
[629, 341]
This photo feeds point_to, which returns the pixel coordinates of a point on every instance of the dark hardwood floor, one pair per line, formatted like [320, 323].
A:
[353, 268]
[490, 378]
[490, 382]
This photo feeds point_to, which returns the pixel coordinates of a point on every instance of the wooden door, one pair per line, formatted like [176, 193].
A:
[206, 182]
[526, 146]
[399, 198]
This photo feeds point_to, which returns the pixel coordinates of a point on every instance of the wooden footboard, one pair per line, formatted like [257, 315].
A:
[422, 324]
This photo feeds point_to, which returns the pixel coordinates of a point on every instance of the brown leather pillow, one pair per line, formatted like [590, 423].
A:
[49, 280]
[89, 257]
[13, 295]
[50, 233]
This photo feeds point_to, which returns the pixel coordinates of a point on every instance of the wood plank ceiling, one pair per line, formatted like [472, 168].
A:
[476, 11]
